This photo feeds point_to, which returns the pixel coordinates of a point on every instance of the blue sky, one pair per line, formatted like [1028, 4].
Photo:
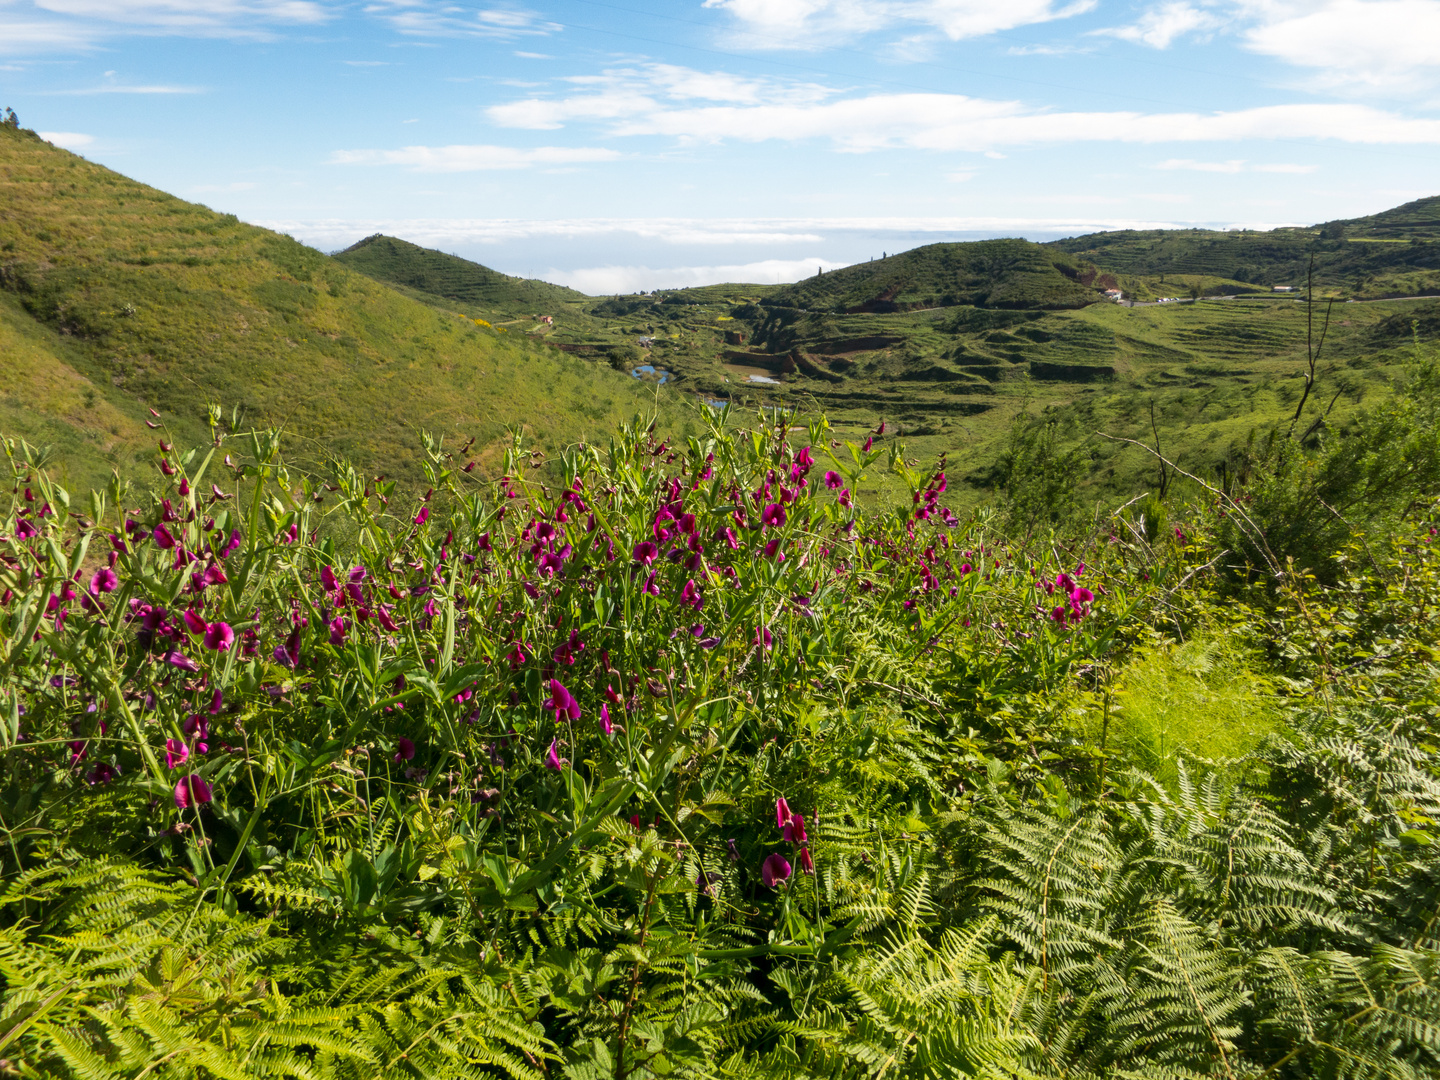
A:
[638, 144]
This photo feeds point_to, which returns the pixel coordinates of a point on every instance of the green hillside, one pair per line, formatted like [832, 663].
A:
[116, 298]
[1394, 253]
[436, 274]
[1418, 220]
[989, 273]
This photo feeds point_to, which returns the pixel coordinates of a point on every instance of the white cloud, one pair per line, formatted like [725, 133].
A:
[1160, 26]
[120, 88]
[959, 177]
[422, 19]
[619, 93]
[69, 140]
[447, 159]
[801, 23]
[770, 232]
[1202, 166]
[67, 25]
[1384, 45]
[1235, 166]
[600, 280]
[696, 108]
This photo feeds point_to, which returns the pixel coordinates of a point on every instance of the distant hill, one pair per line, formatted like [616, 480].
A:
[1393, 253]
[399, 262]
[986, 273]
[1418, 220]
[116, 298]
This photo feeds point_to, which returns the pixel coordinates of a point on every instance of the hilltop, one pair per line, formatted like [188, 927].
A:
[985, 273]
[435, 274]
[116, 298]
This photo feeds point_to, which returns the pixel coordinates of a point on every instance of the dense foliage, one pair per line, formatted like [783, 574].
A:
[679, 762]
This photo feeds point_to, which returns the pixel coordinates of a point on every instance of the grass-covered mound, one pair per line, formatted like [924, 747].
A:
[986, 273]
[449, 277]
[685, 763]
[116, 298]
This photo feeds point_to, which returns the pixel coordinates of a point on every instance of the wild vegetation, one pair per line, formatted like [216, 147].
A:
[688, 759]
[711, 743]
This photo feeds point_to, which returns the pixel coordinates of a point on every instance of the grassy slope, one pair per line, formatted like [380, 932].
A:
[398, 262]
[133, 299]
[988, 273]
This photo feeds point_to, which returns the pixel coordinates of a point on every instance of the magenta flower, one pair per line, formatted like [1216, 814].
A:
[337, 631]
[651, 586]
[645, 552]
[25, 530]
[175, 753]
[552, 759]
[782, 813]
[192, 791]
[774, 871]
[163, 538]
[423, 515]
[219, 637]
[794, 829]
[180, 660]
[730, 540]
[289, 653]
[1081, 595]
[605, 724]
[834, 480]
[762, 637]
[193, 622]
[772, 550]
[216, 700]
[562, 702]
[773, 516]
[328, 579]
[807, 864]
[690, 596]
[404, 750]
[103, 581]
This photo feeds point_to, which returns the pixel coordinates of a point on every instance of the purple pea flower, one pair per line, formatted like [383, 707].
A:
[337, 631]
[180, 660]
[775, 870]
[192, 791]
[175, 753]
[794, 829]
[163, 538]
[773, 516]
[103, 581]
[645, 552]
[807, 864]
[562, 702]
[422, 516]
[833, 480]
[194, 623]
[552, 759]
[782, 813]
[605, 724]
[219, 637]
[404, 750]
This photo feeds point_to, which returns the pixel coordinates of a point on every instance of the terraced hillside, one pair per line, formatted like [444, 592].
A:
[1394, 253]
[116, 298]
